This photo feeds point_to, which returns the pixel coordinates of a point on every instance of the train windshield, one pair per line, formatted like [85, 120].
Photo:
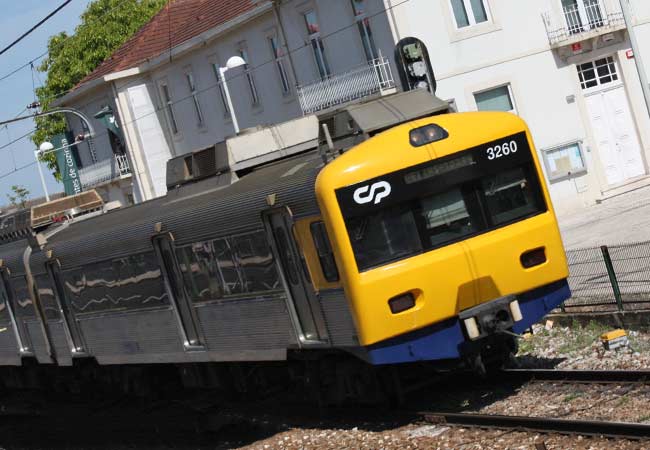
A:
[439, 203]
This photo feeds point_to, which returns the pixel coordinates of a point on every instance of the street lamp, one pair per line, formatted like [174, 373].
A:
[48, 147]
[233, 62]
[42, 149]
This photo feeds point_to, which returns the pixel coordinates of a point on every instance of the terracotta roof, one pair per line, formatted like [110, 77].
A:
[185, 18]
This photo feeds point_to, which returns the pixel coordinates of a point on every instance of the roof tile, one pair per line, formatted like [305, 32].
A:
[178, 22]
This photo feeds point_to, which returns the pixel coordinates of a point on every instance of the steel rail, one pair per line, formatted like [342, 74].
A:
[580, 376]
[541, 424]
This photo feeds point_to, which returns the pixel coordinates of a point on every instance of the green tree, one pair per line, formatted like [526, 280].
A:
[105, 25]
[19, 197]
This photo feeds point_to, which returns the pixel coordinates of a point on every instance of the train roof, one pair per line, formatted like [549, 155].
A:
[206, 209]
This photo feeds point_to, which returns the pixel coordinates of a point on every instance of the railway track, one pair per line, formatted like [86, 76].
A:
[549, 424]
[578, 376]
[541, 424]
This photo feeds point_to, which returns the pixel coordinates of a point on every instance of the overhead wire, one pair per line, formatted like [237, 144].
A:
[33, 60]
[13, 156]
[6, 174]
[28, 32]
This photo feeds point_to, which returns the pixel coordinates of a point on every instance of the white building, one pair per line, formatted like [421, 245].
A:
[565, 66]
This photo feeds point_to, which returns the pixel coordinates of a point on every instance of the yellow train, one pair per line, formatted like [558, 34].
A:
[444, 233]
[402, 233]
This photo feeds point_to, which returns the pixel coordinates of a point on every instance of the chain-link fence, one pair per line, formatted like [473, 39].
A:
[613, 277]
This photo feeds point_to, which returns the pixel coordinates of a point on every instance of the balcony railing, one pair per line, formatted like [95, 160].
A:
[103, 171]
[374, 77]
[582, 19]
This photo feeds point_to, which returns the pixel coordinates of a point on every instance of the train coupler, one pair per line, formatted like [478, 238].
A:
[491, 317]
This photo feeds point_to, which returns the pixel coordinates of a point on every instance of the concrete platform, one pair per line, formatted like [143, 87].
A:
[622, 218]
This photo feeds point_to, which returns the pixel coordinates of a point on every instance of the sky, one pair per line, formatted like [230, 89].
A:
[16, 91]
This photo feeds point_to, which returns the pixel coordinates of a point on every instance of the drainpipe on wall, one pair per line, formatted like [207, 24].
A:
[388, 4]
[278, 19]
[640, 68]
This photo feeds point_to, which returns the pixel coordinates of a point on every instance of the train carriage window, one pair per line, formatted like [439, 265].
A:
[387, 235]
[446, 217]
[129, 283]
[509, 196]
[45, 292]
[200, 272]
[24, 306]
[256, 262]
[324, 250]
[228, 266]
[230, 272]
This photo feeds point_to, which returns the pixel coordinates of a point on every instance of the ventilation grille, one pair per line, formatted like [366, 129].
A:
[204, 163]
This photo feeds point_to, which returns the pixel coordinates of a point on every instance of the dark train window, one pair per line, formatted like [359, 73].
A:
[200, 271]
[256, 262]
[129, 283]
[231, 274]
[23, 304]
[324, 251]
[509, 195]
[45, 292]
[228, 266]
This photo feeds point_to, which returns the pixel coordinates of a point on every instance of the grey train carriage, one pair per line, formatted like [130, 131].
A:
[198, 275]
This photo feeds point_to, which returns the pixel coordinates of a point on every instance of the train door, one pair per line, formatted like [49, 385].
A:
[185, 314]
[303, 305]
[6, 298]
[70, 322]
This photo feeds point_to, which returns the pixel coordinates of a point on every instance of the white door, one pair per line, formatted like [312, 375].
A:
[611, 120]
[604, 139]
[622, 125]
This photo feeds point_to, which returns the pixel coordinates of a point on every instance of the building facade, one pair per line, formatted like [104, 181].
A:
[565, 66]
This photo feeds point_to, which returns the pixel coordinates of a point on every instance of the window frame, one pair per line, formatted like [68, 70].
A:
[220, 89]
[615, 75]
[564, 145]
[252, 87]
[589, 16]
[493, 88]
[168, 105]
[240, 270]
[278, 57]
[365, 32]
[317, 46]
[115, 264]
[471, 17]
[191, 85]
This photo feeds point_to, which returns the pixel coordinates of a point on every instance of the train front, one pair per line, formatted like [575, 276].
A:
[445, 237]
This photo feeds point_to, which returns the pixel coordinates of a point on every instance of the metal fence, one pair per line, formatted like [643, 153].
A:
[104, 171]
[582, 18]
[615, 277]
[368, 79]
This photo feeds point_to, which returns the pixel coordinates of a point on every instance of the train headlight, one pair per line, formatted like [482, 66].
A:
[515, 311]
[427, 134]
[471, 325]
[401, 303]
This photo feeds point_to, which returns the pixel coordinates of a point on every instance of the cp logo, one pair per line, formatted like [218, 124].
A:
[378, 191]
